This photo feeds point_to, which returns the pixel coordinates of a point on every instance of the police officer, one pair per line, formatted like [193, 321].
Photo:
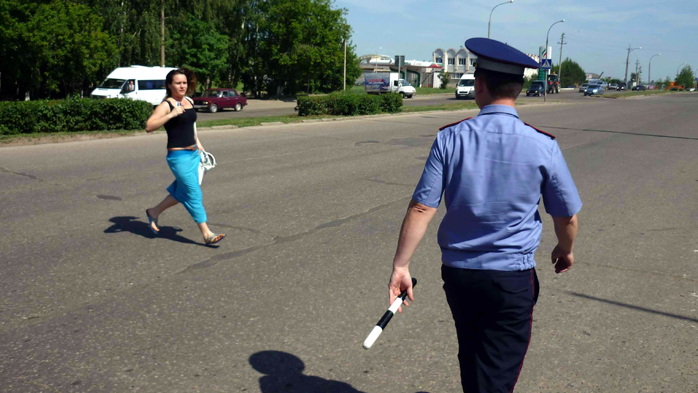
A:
[491, 171]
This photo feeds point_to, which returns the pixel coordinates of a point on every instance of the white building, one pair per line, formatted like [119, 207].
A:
[461, 61]
[454, 61]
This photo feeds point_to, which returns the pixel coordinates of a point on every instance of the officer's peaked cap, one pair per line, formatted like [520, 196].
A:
[497, 56]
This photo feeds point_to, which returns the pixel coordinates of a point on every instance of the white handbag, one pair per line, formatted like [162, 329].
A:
[208, 162]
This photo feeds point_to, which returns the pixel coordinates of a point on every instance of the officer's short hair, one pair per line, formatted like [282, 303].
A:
[499, 84]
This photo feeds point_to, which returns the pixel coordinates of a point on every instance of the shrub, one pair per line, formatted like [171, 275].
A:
[25, 117]
[391, 103]
[347, 104]
[445, 77]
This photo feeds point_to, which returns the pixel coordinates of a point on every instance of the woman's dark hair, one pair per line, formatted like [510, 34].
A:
[501, 85]
[191, 80]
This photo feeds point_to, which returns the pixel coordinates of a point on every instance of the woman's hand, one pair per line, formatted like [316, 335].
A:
[177, 111]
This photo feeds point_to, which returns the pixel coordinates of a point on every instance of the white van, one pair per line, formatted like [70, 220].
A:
[135, 82]
[384, 82]
[466, 87]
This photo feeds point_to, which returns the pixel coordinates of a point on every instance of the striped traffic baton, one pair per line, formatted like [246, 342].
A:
[380, 326]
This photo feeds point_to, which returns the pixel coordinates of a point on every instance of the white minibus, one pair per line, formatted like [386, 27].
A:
[136, 83]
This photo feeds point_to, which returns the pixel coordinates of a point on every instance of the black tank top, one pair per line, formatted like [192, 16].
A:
[180, 129]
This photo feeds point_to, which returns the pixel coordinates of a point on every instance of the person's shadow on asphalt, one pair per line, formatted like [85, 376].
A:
[137, 227]
[284, 373]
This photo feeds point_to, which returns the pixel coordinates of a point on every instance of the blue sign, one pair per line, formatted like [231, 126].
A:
[546, 64]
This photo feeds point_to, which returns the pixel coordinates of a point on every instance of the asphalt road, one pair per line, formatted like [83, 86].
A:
[92, 303]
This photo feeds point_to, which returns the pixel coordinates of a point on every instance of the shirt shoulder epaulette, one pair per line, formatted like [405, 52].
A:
[453, 124]
[541, 131]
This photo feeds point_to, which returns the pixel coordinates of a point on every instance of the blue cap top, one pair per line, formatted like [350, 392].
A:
[496, 56]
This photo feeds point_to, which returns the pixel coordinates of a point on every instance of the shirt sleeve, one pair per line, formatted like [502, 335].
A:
[430, 186]
[560, 195]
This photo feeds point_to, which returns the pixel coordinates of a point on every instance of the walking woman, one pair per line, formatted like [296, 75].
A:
[178, 116]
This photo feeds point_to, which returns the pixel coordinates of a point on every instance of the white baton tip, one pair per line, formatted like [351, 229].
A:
[372, 337]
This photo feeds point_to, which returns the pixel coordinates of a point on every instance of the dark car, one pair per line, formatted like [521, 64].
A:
[621, 86]
[537, 88]
[215, 99]
[639, 87]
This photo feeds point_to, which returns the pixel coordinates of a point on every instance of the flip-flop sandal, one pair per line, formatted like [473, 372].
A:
[152, 220]
[215, 238]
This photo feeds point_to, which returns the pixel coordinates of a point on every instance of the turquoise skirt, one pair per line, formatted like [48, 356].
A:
[184, 165]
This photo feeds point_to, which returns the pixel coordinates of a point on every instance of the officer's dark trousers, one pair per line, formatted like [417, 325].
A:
[493, 311]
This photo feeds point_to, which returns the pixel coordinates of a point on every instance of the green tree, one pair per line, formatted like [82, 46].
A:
[197, 45]
[667, 82]
[445, 77]
[297, 46]
[572, 73]
[686, 78]
[55, 48]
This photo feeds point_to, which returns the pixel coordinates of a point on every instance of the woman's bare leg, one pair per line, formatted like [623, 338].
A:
[207, 232]
[155, 212]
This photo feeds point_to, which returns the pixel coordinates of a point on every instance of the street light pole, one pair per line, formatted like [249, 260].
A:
[547, 36]
[649, 70]
[677, 70]
[627, 59]
[490, 22]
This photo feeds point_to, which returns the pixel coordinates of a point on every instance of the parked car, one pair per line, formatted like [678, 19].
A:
[583, 87]
[613, 86]
[639, 87]
[537, 88]
[215, 99]
[621, 86]
[594, 90]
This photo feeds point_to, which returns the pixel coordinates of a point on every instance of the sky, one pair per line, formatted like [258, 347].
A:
[597, 32]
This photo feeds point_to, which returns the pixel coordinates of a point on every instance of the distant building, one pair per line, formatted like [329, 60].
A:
[461, 61]
[418, 73]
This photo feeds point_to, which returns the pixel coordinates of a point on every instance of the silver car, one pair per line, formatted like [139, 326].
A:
[583, 88]
[593, 90]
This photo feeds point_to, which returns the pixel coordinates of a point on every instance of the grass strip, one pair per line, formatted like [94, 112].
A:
[54, 137]
[420, 90]
[442, 107]
[639, 93]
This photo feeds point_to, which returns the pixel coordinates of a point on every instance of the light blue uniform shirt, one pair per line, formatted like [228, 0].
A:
[492, 171]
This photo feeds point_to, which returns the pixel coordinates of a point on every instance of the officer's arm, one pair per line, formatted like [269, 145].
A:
[413, 228]
[566, 231]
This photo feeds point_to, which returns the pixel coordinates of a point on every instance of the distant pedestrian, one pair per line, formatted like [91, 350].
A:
[178, 116]
[492, 171]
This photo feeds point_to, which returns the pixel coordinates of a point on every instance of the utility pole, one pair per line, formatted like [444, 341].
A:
[345, 63]
[627, 60]
[559, 71]
[162, 33]
[637, 63]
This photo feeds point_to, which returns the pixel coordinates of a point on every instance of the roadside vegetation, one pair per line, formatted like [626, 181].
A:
[420, 90]
[638, 93]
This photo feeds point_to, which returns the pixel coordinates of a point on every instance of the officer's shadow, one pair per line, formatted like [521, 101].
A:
[284, 373]
[134, 225]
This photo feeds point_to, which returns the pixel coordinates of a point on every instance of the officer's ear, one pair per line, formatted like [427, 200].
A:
[480, 86]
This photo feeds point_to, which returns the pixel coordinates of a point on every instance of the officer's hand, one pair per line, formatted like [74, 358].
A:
[562, 260]
[399, 281]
